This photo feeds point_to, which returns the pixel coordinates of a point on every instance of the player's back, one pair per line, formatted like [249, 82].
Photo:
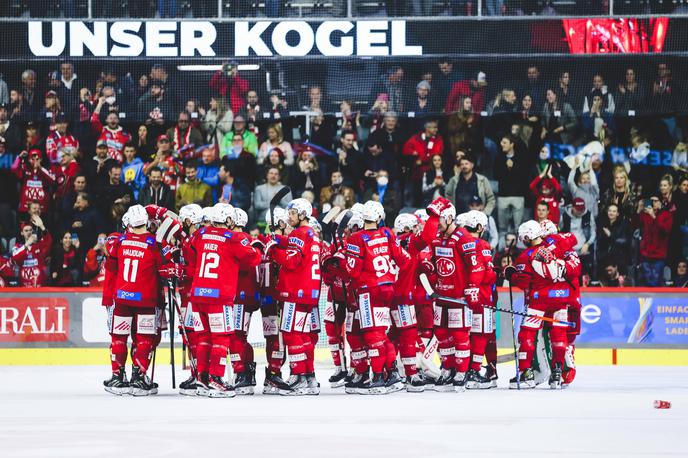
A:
[138, 258]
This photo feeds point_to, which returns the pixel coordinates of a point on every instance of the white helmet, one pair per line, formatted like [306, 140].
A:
[222, 212]
[280, 216]
[356, 221]
[137, 216]
[548, 227]
[240, 217]
[193, 212]
[372, 211]
[125, 220]
[405, 221]
[461, 219]
[529, 231]
[302, 207]
[357, 208]
[422, 215]
[315, 224]
[206, 213]
[449, 212]
[474, 218]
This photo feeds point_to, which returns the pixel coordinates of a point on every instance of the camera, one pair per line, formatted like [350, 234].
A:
[229, 68]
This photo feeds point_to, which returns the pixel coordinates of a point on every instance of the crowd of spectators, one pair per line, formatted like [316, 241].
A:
[75, 154]
[321, 8]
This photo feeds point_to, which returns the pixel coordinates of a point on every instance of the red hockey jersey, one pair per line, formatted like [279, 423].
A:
[374, 257]
[406, 287]
[543, 285]
[299, 275]
[218, 255]
[32, 261]
[457, 263]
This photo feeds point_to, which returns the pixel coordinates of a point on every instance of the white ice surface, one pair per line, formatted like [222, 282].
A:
[608, 412]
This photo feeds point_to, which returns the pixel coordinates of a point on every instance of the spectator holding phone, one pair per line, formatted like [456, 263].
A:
[654, 221]
[547, 190]
[94, 267]
[65, 262]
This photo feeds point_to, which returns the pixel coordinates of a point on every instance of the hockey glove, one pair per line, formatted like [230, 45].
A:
[509, 271]
[171, 270]
[437, 205]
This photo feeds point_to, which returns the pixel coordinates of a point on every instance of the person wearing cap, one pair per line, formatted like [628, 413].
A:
[59, 139]
[171, 170]
[35, 180]
[229, 84]
[476, 89]
[578, 220]
[184, 134]
[249, 144]
[96, 169]
[193, 190]
[468, 183]
[155, 107]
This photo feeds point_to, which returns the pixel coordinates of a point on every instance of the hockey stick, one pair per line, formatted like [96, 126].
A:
[343, 224]
[171, 287]
[430, 292]
[513, 332]
[328, 222]
[185, 336]
[276, 199]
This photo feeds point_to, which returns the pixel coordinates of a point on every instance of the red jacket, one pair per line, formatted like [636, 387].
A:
[462, 89]
[64, 177]
[115, 139]
[55, 142]
[34, 185]
[32, 261]
[219, 83]
[423, 148]
[552, 200]
[655, 232]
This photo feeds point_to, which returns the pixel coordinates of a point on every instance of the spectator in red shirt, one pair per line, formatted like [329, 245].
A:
[30, 253]
[655, 227]
[547, 190]
[94, 267]
[34, 178]
[65, 171]
[422, 147]
[228, 83]
[64, 262]
[475, 89]
[59, 138]
[111, 133]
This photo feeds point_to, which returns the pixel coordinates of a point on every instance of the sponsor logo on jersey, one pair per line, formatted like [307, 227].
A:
[228, 234]
[555, 293]
[487, 253]
[468, 246]
[296, 241]
[217, 238]
[135, 243]
[206, 292]
[150, 240]
[310, 233]
[353, 248]
[299, 293]
[445, 267]
[520, 267]
[315, 293]
[440, 251]
[123, 326]
[128, 295]
[244, 242]
[377, 241]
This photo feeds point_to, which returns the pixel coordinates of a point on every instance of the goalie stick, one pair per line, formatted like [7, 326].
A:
[276, 199]
[327, 222]
[180, 317]
[431, 292]
[342, 227]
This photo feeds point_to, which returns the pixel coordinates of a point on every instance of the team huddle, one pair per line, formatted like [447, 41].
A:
[395, 296]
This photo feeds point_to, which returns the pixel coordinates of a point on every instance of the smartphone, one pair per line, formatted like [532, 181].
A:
[75, 238]
[647, 203]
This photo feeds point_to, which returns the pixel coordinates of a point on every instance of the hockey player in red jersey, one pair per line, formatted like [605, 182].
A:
[246, 301]
[483, 319]
[269, 306]
[218, 255]
[542, 274]
[190, 217]
[335, 308]
[373, 257]
[299, 290]
[140, 265]
[565, 243]
[404, 309]
[460, 272]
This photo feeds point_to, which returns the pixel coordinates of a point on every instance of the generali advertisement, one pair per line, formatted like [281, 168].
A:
[34, 319]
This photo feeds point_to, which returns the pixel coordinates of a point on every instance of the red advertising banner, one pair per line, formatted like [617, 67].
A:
[34, 319]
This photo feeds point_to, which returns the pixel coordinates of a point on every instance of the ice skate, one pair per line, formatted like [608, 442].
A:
[357, 382]
[242, 383]
[491, 374]
[476, 381]
[430, 381]
[313, 385]
[297, 385]
[338, 379]
[394, 381]
[526, 380]
[218, 388]
[445, 382]
[273, 383]
[459, 382]
[117, 384]
[415, 384]
[375, 386]
[202, 381]
[555, 378]
[140, 384]
[251, 368]
[188, 387]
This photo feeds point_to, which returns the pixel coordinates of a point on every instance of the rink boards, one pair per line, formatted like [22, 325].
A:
[619, 326]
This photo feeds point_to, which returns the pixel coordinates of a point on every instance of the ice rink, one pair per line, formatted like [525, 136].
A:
[64, 412]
